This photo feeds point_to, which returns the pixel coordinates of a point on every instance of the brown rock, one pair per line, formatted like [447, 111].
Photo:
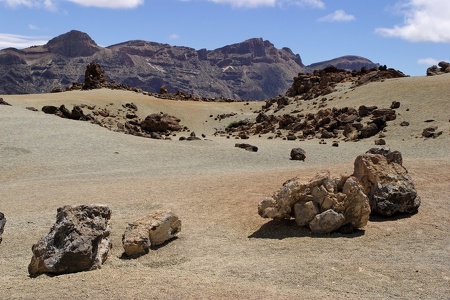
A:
[298, 154]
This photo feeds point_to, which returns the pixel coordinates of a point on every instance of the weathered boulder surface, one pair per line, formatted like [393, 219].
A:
[386, 182]
[78, 241]
[161, 123]
[154, 229]
[2, 225]
[298, 154]
[324, 203]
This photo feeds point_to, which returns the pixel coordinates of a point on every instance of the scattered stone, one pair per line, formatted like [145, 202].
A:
[247, 147]
[2, 225]
[395, 104]
[31, 108]
[149, 231]
[3, 102]
[298, 154]
[430, 132]
[163, 90]
[324, 203]
[380, 142]
[80, 240]
[50, 109]
[404, 123]
[335, 144]
[387, 183]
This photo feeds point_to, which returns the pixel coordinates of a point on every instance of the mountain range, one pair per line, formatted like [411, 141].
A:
[251, 70]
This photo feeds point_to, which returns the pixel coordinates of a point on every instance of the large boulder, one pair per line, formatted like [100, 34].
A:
[298, 154]
[161, 123]
[2, 225]
[153, 229]
[386, 183]
[324, 203]
[78, 241]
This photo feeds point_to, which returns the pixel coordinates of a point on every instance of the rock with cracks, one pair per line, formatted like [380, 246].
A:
[148, 231]
[80, 240]
[387, 183]
[324, 203]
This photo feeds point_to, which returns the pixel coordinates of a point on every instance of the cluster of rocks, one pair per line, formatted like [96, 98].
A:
[80, 240]
[327, 123]
[123, 119]
[322, 82]
[379, 184]
[2, 225]
[442, 68]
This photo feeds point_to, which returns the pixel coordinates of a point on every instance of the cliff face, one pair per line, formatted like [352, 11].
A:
[253, 69]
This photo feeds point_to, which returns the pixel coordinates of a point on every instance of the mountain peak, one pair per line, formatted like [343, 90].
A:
[73, 44]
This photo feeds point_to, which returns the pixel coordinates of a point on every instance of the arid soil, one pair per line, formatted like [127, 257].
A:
[225, 250]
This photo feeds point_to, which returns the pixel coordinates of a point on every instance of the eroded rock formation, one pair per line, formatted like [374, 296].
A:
[78, 241]
[324, 203]
[386, 182]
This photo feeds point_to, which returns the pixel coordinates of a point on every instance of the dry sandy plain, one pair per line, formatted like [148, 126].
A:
[224, 250]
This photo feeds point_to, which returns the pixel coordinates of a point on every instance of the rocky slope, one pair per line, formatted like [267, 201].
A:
[253, 69]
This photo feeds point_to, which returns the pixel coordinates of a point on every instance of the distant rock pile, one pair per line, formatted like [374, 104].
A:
[442, 68]
[347, 123]
[123, 119]
[325, 203]
[322, 82]
[379, 185]
[80, 240]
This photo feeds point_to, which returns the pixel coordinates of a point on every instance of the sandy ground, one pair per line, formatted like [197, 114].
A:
[225, 250]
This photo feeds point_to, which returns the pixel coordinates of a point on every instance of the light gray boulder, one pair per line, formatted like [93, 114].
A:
[153, 229]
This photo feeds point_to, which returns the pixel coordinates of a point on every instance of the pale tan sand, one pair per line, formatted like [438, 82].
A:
[225, 250]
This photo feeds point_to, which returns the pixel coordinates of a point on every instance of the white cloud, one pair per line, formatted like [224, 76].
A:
[424, 21]
[21, 41]
[51, 4]
[109, 3]
[338, 16]
[428, 61]
[271, 3]
[174, 36]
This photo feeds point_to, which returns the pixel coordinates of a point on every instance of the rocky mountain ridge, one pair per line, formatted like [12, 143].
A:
[252, 70]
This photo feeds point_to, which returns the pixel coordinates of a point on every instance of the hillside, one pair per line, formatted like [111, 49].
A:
[225, 249]
[252, 70]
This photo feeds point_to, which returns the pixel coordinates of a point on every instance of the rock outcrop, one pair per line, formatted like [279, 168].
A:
[78, 241]
[152, 230]
[2, 225]
[386, 182]
[442, 68]
[323, 81]
[325, 203]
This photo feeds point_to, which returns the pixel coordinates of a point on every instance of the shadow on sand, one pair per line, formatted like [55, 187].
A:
[282, 229]
[396, 217]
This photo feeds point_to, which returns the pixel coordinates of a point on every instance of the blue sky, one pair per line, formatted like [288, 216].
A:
[409, 35]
